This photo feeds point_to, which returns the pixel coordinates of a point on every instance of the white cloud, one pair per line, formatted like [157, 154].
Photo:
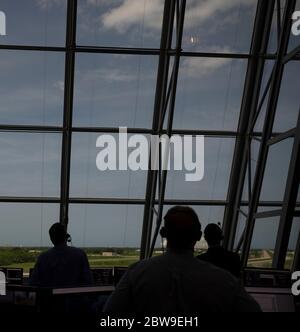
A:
[198, 12]
[100, 3]
[108, 75]
[45, 4]
[199, 67]
[60, 85]
[131, 12]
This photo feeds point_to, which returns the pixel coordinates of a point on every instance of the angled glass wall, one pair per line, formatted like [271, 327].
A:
[74, 70]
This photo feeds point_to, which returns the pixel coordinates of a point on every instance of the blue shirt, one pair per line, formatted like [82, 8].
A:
[62, 266]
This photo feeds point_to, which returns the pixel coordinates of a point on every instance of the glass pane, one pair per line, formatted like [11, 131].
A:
[114, 90]
[255, 146]
[35, 22]
[31, 88]
[276, 173]
[289, 99]
[30, 164]
[273, 42]
[240, 229]
[259, 125]
[263, 242]
[211, 26]
[24, 232]
[295, 233]
[26, 225]
[217, 166]
[200, 81]
[107, 228]
[88, 181]
[126, 23]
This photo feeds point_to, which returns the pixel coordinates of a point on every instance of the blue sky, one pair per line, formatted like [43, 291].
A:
[118, 90]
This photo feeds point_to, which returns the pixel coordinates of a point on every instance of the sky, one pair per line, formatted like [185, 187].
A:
[119, 90]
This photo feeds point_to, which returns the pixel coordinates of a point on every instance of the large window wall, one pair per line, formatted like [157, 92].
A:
[73, 70]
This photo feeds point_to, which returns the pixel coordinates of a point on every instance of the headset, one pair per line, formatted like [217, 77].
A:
[197, 233]
[69, 238]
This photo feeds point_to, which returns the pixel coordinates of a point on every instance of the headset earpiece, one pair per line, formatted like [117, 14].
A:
[69, 239]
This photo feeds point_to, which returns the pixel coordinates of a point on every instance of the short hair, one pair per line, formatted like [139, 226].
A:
[58, 233]
[213, 234]
[182, 226]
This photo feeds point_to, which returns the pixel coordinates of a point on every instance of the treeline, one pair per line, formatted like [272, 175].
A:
[9, 256]
[117, 251]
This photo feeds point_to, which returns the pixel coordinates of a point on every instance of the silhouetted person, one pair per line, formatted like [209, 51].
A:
[217, 255]
[177, 283]
[61, 266]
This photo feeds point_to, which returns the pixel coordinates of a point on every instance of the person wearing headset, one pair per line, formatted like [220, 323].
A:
[217, 255]
[177, 283]
[61, 266]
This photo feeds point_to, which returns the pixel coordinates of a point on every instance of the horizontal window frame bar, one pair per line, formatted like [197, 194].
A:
[268, 204]
[108, 201]
[30, 128]
[90, 200]
[58, 129]
[124, 201]
[30, 200]
[112, 130]
[132, 51]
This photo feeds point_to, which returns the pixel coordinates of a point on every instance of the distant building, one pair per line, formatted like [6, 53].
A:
[108, 254]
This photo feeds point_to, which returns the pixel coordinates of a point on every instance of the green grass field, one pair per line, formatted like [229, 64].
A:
[25, 258]
[118, 261]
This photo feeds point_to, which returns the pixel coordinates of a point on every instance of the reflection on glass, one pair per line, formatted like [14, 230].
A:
[35, 22]
[30, 164]
[214, 186]
[126, 23]
[211, 26]
[114, 90]
[276, 173]
[209, 93]
[263, 243]
[32, 88]
[88, 181]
